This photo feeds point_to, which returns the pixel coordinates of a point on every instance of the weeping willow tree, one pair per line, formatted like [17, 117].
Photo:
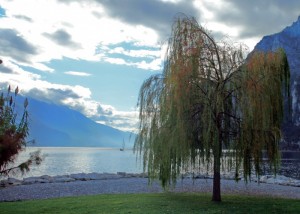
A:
[208, 99]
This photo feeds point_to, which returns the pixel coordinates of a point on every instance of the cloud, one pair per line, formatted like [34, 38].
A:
[118, 61]
[155, 14]
[66, 34]
[123, 120]
[12, 44]
[104, 114]
[78, 73]
[131, 55]
[62, 37]
[56, 29]
[135, 53]
[155, 64]
[11, 70]
[254, 18]
[53, 95]
[25, 18]
[74, 96]
[5, 69]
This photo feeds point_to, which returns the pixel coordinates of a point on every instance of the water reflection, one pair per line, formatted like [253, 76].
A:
[66, 160]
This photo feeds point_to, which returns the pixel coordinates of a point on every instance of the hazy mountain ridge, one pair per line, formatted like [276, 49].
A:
[289, 40]
[53, 125]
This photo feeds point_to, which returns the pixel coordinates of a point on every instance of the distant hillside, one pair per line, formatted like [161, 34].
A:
[289, 40]
[53, 125]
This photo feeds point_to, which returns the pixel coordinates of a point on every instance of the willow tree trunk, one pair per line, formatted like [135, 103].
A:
[217, 174]
[217, 180]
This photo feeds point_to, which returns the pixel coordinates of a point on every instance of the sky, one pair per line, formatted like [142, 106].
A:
[93, 55]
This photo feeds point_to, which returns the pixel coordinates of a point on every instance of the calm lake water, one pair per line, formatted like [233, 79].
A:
[69, 160]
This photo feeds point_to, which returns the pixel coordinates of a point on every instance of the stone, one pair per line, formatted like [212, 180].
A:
[111, 176]
[30, 180]
[4, 183]
[271, 179]
[46, 177]
[80, 176]
[142, 175]
[296, 183]
[264, 178]
[199, 176]
[130, 175]
[14, 182]
[121, 174]
[62, 179]
[280, 180]
[95, 176]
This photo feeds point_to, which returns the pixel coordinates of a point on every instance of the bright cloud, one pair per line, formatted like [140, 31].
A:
[135, 53]
[78, 73]
[126, 121]
[64, 33]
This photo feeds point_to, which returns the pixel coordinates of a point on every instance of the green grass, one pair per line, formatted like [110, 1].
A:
[154, 203]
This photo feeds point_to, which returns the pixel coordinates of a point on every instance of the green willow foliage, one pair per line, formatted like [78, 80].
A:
[209, 98]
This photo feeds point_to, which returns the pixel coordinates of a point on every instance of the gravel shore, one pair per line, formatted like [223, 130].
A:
[140, 185]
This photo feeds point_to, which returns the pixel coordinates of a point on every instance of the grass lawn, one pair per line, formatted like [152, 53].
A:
[154, 203]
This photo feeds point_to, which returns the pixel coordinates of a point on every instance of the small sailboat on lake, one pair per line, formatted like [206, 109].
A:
[123, 146]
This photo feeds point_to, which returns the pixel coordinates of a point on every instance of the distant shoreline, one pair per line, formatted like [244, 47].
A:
[100, 147]
[117, 148]
[76, 147]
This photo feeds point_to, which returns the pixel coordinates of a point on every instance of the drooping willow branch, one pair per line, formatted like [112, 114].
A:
[210, 98]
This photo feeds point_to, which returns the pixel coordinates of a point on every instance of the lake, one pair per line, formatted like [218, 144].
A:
[69, 160]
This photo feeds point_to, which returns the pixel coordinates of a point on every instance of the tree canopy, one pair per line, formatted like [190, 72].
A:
[210, 98]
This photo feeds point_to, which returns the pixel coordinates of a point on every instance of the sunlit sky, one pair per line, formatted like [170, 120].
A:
[93, 55]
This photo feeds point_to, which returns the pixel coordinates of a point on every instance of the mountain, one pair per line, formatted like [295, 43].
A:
[54, 125]
[289, 40]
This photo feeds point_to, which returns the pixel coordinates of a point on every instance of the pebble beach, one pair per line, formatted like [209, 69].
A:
[140, 185]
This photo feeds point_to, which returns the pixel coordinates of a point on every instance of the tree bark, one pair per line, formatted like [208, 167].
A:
[217, 175]
[217, 180]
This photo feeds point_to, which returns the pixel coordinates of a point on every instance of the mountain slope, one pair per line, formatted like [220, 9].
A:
[53, 125]
[289, 40]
